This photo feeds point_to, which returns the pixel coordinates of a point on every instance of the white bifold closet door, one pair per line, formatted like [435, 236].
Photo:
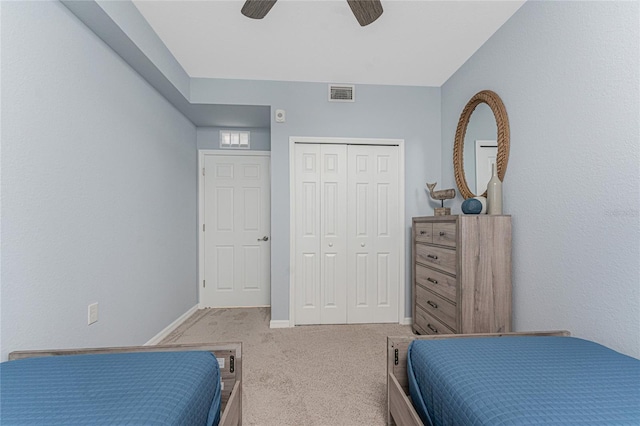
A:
[347, 233]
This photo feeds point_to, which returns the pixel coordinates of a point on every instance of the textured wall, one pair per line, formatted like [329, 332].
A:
[568, 73]
[98, 190]
[409, 113]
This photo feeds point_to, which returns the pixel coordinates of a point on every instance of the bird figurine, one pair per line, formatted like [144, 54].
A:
[441, 195]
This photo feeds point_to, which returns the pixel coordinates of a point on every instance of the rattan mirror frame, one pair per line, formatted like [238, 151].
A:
[502, 123]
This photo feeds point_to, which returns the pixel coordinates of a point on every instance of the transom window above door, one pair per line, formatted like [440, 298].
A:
[234, 139]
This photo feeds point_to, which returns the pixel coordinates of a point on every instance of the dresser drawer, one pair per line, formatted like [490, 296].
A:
[444, 233]
[439, 283]
[437, 306]
[423, 232]
[438, 257]
[428, 324]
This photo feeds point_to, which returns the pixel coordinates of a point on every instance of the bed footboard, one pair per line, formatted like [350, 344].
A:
[229, 357]
[400, 409]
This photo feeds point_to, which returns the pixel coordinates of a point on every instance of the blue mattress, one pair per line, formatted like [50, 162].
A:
[149, 388]
[522, 381]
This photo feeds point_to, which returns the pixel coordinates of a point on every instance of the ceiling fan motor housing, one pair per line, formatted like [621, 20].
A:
[365, 11]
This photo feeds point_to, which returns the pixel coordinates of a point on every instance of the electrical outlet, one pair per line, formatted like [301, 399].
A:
[93, 313]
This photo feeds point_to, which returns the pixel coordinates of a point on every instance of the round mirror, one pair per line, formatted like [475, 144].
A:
[482, 138]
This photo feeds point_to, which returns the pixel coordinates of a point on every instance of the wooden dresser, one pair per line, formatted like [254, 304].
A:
[461, 274]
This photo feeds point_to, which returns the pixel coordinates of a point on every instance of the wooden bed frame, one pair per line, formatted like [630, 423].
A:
[399, 406]
[230, 372]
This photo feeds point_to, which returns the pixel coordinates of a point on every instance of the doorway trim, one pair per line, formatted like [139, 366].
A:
[293, 140]
[481, 145]
[200, 171]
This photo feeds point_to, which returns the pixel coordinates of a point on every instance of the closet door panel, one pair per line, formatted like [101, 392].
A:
[388, 229]
[359, 223]
[307, 239]
[333, 229]
[373, 227]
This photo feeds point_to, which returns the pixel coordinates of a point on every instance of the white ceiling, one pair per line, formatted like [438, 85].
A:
[418, 43]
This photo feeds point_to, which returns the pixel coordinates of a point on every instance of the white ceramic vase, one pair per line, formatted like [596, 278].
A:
[494, 192]
[483, 201]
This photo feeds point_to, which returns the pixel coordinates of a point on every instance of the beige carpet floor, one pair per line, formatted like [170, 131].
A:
[306, 375]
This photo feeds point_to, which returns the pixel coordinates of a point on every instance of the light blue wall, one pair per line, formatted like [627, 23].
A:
[568, 73]
[121, 26]
[409, 113]
[209, 137]
[98, 190]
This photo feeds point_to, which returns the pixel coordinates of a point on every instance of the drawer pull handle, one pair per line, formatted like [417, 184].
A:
[442, 233]
[432, 328]
[431, 280]
[423, 232]
[432, 256]
[433, 305]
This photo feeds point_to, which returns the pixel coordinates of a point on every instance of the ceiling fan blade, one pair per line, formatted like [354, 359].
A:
[257, 9]
[365, 11]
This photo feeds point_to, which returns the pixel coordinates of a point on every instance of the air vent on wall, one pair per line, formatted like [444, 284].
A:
[342, 93]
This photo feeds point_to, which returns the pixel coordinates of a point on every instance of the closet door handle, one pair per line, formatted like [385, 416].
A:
[265, 238]
[432, 256]
[442, 233]
[423, 232]
[432, 328]
[431, 280]
[433, 305]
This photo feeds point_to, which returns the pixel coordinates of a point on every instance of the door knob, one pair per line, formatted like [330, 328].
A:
[265, 238]
[330, 244]
[361, 244]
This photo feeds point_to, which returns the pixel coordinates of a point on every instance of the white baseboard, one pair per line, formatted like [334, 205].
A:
[287, 324]
[168, 329]
[279, 324]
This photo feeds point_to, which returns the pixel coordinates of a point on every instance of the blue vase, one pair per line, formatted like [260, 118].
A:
[472, 206]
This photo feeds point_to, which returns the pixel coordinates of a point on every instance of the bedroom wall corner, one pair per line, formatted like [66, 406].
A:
[569, 75]
[98, 190]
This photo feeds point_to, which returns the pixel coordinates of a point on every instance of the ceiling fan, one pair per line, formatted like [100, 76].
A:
[365, 11]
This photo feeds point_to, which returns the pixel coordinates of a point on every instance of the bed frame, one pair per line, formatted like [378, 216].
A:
[230, 369]
[400, 408]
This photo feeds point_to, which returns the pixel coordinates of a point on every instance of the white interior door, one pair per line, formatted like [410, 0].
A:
[374, 234]
[236, 231]
[347, 231]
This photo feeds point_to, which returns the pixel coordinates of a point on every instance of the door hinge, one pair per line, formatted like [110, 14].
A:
[203, 171]
[232, 364]
[204, 283]
[395, 362]
[203, 227]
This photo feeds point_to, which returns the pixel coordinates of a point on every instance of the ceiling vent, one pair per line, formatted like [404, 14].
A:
[342, 93]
